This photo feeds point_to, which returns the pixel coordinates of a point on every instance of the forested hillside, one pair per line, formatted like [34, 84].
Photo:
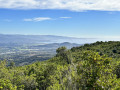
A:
[93, 66]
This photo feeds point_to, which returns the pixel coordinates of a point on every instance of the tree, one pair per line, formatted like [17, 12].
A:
[12, 64]
[95, 72]
[61, 50]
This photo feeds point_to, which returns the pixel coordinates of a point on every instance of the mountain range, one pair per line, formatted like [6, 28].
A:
[56, 45]
[37, 39]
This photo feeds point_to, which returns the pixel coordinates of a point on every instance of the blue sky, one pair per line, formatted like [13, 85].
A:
[60, 21]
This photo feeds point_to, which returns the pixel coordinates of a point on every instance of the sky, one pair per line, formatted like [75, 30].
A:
[73, 18]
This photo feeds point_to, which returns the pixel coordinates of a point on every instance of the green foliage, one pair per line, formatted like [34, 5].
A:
[61, 50]
[96, 72]
[5, 84]
[90, 67]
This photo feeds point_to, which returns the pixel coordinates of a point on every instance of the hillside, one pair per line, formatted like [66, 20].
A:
[93, 66]
[111, 48]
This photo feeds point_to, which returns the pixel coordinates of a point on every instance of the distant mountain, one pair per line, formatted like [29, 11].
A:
[37, 39]
[57, 45]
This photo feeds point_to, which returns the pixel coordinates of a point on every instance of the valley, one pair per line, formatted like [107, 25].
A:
[24, 54]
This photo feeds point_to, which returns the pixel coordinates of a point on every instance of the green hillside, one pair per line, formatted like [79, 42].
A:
[90, 67]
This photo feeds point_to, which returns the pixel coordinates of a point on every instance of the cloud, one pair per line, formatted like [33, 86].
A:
[7, 20]
[65, 17]
[28, 20]
[38, 19]
[74, 5]
[111, 12]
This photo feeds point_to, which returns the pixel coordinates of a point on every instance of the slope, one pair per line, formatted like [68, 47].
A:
[88, 67]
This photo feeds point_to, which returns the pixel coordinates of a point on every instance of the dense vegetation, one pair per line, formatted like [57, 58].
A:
[90, 67]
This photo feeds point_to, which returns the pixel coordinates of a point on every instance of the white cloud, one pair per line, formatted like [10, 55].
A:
[7, 20]
[65, 17]
[42, 18]
[111, 12]
[38, 19]
[28, 20]
[74, 5]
